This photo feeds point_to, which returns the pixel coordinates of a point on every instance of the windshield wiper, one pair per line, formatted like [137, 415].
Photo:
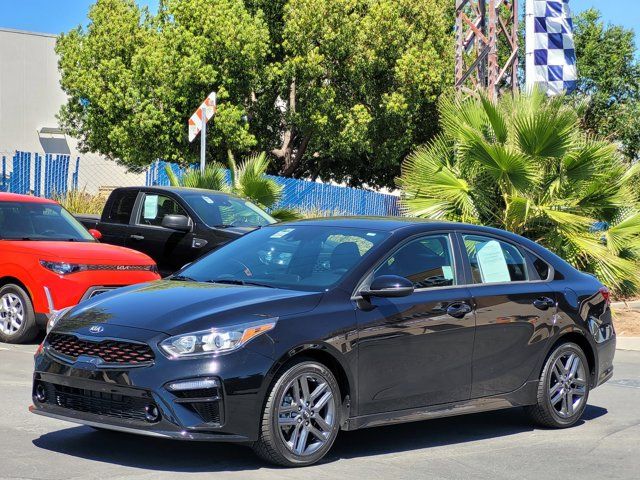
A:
[232, 281]
[182, 278]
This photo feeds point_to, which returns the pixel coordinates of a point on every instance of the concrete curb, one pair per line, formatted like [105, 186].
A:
[628, 343]
[632, 305]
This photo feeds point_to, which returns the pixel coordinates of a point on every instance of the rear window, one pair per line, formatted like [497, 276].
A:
[121, 206]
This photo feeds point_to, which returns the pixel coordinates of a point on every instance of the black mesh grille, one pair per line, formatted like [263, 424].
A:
[96, 402]
[111, 351]
[208, 411]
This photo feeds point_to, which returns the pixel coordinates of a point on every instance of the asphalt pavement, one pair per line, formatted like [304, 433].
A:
[495, 445]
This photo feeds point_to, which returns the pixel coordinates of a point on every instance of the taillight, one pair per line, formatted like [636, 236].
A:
[606, 294]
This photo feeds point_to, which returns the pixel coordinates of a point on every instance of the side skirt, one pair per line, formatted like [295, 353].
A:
[525, 395]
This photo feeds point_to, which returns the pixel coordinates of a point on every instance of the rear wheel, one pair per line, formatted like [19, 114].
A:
[300, 420]
[17, 318]
[563, 389]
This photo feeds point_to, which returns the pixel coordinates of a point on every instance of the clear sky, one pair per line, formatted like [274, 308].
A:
[55, 16]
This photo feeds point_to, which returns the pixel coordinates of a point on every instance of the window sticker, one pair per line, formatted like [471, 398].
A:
[447, 272]
[492, 264]
[282, 233]
[207, 199]
[150, 207]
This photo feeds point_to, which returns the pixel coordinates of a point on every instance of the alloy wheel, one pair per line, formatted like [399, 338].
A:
[11, 313]
[306, 414]
[568, 385]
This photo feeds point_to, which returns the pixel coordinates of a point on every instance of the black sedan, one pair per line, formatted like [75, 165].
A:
[295, 331]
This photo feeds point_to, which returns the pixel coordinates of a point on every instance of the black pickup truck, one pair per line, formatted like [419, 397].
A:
[174, 225]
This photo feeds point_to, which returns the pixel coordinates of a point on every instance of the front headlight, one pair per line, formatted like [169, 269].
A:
[55, 317]
[216, 340]
[62, 268]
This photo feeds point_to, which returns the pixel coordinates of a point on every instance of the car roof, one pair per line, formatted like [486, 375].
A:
[388, 224]
[14, 197]
[177, 190]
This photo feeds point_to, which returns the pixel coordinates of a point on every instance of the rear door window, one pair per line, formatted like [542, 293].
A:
[494, 261]
[122, 206]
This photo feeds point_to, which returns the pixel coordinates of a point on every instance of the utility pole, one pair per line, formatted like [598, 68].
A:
[486, 46]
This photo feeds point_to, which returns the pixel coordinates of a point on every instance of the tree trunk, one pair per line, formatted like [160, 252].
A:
[294, 143]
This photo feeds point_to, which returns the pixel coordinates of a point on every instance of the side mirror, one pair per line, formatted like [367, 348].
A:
[389, 286]
[176, 222]
[95, 233]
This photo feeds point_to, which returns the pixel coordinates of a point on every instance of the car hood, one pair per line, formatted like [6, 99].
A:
[80, 252]
[174, 307]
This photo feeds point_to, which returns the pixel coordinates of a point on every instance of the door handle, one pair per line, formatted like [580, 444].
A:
[137, 237]
[458, 309]
[543, 303]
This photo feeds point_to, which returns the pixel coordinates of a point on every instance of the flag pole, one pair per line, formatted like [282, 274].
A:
[529, 42]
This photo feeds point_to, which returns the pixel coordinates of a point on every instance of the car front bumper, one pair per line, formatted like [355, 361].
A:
[121, 398]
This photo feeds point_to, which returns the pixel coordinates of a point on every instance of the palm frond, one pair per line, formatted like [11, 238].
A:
[286, 214]
[174, 181]
[214, 177]
[252, 183]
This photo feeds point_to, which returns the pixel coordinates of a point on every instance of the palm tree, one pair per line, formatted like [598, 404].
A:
[247, 180]
[523, 164]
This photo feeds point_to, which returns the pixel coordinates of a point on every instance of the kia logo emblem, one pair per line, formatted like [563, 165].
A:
[96, 329]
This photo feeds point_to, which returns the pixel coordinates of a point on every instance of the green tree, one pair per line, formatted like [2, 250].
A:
[357, 83]
[524, 165]
[337, 89]
[133, 79]
[608, 82]
[247, 180]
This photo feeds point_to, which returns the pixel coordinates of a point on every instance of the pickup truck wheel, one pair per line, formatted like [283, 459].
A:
[17, 318]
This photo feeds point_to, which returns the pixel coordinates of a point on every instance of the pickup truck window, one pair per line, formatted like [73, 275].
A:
[222, 210]
[155, 207]
[121, 206]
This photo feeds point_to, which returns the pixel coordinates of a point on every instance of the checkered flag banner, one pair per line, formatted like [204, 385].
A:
[551, 56]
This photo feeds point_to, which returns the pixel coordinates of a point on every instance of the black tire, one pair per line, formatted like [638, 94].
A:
[544, 412]
[271, 445]
[28, 328]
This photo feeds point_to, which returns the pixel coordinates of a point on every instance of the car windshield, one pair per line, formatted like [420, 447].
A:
[298, 257]
[218, 209]
[40, 221]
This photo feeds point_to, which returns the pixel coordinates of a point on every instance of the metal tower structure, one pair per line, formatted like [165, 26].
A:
[486, 46]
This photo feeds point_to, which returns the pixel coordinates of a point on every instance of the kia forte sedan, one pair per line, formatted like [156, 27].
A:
[298, 330]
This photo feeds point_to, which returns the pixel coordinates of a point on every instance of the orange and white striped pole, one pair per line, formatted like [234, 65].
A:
[198, 124]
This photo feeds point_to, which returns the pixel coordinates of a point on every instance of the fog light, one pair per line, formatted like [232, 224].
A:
[41, 394]
[151, 413]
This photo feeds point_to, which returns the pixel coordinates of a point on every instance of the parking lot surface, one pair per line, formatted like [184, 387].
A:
[495, 445]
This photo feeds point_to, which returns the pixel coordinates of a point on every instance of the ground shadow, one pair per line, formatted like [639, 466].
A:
[176, 456]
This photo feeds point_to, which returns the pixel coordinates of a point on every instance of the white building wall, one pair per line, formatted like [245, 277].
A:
[30, 98]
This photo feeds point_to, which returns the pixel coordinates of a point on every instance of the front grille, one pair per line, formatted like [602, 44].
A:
[110, 351]
[96, 402]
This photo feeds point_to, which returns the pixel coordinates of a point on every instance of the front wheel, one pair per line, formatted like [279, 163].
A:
[17, 318]
[563, 389]
[300, 420]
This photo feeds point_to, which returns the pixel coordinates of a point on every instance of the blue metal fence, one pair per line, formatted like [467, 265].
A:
[52, 179]
[306, 195]
[33, 173]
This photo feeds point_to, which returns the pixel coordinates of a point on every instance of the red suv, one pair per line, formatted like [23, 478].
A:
[49, 262]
